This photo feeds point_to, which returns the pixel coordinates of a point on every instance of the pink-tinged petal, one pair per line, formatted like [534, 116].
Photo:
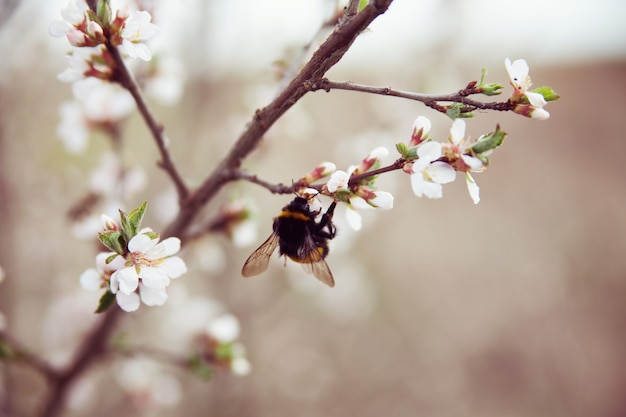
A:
[441, 173]
[127, 278]
[421, 123]
[168, 247]
[128, 302]
[154, 278]
[152, 297]
[457, 131]
[141, 243]
[173, 266]
[473, 189]
[90, 280]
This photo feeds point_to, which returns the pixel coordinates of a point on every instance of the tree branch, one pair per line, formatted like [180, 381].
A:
[327, 55]
[431, 100]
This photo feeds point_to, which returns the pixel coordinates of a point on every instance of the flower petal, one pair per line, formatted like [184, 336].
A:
[127, 279]
[441, 172]
[142, 243]
[152, 297]
[168, 247]
[173, 266]
[383, 200]
[354, 219]
[429, 151]
[473, 189]
[128, 302]
[154, 278]
[457, 131]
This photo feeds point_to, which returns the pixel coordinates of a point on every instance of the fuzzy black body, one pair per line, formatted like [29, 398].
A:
[300, 238]
[299, 234]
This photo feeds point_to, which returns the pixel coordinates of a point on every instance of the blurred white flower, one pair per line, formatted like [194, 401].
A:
[224, 328]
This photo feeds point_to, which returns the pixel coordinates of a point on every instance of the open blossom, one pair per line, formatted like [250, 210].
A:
[458, 153]
[137, 29]
[520, 80]
[150, 266]
[428, 174]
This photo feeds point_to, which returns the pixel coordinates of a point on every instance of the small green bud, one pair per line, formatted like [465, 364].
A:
[492, 89]
[402, 149]
[104, 12]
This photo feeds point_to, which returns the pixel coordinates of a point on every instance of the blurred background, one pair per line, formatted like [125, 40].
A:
[513, 307]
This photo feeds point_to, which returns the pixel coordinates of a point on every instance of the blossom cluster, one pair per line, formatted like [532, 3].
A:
[139, 269]
[354, 186]
[431, 163]
[98, 104]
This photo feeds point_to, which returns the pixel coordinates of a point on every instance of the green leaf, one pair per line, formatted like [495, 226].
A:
[131, 223]
[136, 216]
[548, 93]
[363, 4]
[489, 141]
[110, 258]
[113, 240]
[106, 301]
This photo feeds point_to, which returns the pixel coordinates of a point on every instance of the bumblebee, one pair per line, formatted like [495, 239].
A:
[298, 237]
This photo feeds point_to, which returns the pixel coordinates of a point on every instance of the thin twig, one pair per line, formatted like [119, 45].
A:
[123, 76]
[431, 100]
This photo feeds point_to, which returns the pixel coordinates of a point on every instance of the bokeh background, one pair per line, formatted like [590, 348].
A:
[513, 307]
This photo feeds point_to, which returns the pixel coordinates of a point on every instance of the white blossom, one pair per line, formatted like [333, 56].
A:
[428, 173]
[137, 29]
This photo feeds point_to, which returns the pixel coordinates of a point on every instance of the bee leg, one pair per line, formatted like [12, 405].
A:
[326, 221]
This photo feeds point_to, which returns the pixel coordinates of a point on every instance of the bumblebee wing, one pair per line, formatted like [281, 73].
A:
[322, 272]
[260, 258]
[314, 264]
